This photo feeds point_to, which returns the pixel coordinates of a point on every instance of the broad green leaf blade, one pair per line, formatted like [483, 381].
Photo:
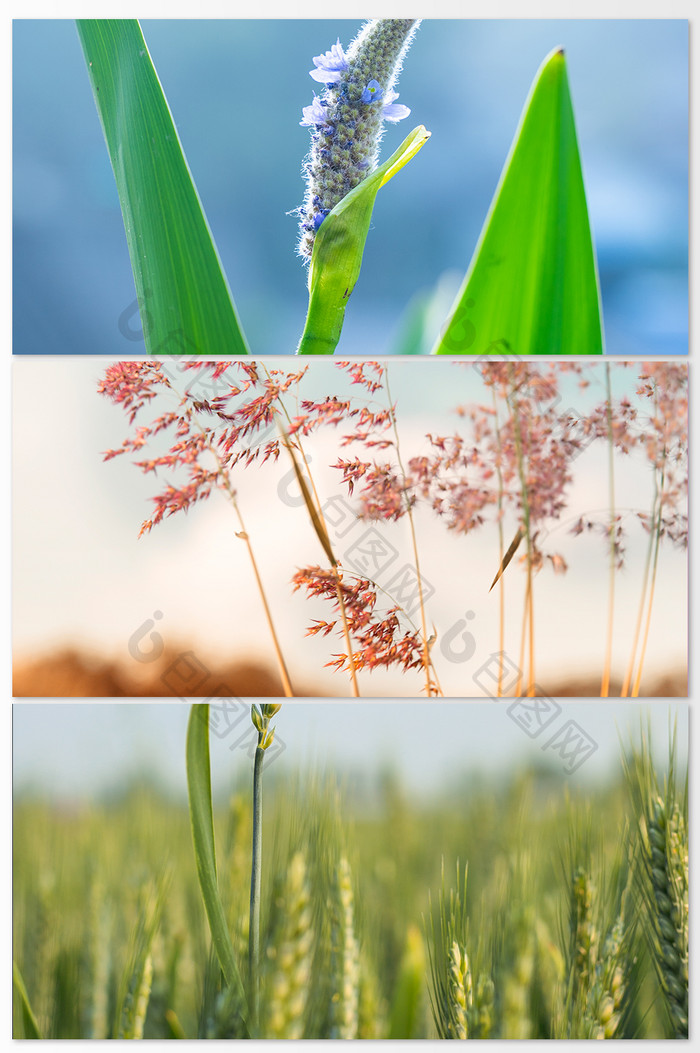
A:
[337, 254]
[31, 1028]
[202, 819]
[532, 285]
[186, 305]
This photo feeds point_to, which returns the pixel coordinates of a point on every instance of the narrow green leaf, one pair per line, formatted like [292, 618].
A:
[202, 819]
[31, 1028]
[337, 254]
[532, 285]
[186, 305]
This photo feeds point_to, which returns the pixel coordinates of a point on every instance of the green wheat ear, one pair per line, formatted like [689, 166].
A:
[345, 962]
[665, 863]
[659, 850]
[461, 1007]
[290, 956]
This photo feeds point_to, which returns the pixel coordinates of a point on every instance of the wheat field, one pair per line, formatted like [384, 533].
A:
[517, 907]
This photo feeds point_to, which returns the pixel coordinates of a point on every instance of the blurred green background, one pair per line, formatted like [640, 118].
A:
[93, 868]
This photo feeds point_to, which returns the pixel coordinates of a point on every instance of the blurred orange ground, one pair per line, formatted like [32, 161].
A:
[72, 674]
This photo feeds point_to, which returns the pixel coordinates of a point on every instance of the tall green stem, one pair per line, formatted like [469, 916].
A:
[255, 887]
[261, 716]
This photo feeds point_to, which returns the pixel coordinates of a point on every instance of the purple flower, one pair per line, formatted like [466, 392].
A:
[391, 111]
[314, 115]
[330, 65]
[372, 92]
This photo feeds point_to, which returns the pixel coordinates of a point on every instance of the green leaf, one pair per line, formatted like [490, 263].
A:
[532, 285]
[202, 819]
[337, 253]
[31, 1028]
[186, 305]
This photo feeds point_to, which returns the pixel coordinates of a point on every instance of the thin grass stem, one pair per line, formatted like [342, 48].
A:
[319, 524]
[655, 514]
[528, 538]
[318, 520]
[523, 637]
[244, 536]
[605, 683]
[427, 662]
[501, 549]
[652, 587]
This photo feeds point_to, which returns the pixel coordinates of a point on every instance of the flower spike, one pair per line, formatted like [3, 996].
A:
[346, 122]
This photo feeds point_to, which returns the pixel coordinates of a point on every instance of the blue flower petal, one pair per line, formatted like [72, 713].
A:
[395, 112]
[372, 92]
[314, 115]
[330, 65]
[326, 76]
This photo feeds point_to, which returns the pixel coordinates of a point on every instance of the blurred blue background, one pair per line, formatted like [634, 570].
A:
[236, 89]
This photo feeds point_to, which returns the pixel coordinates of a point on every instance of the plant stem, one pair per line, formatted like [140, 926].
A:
[655, 514]
[255, 888]
[346, 633]
[501, 548]
[313, 507]
[530, 616]
[243, 535]
[640, 613]
[319, 512]
[518, 693]
[531, 634]
[655, 564]
[424, 629]
[605, 684]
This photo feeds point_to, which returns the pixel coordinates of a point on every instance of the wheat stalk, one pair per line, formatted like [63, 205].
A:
[461, 1009]
[608, 991]
[666, 864]
[345, 958]
[517, 982]
[371, 1006]
[291, 956]
[100, 925]
[460, 991]
[660, 852]
[143, 996]
[584, 935]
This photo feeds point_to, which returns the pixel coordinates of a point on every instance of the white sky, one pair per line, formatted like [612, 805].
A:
[427, 744]
[81, 575]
